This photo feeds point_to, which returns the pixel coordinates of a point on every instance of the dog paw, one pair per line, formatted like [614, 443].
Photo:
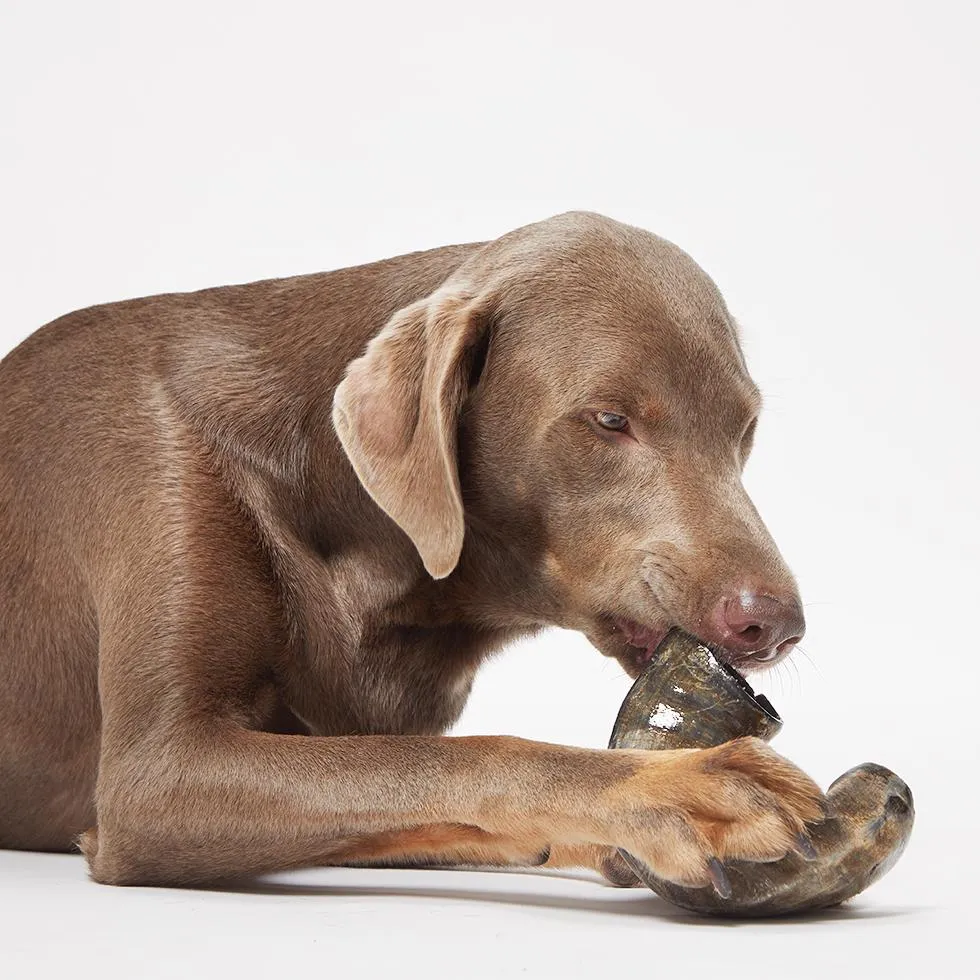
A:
[684, 813]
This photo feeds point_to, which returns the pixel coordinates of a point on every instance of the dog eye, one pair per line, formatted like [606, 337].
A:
[612, 421]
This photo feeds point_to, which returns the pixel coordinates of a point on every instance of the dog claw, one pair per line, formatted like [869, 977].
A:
[719, 879]
[805, 848]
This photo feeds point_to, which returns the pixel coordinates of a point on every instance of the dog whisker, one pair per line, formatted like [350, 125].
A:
[811, 661]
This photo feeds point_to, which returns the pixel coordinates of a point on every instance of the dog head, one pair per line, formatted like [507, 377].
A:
[572, 408]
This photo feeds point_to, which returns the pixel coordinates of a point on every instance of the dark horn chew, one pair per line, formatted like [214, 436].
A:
[687, 698]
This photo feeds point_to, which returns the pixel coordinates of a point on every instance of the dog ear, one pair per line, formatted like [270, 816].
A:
[396, 413]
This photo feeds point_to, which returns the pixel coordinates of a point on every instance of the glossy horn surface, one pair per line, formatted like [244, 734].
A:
[688, 699]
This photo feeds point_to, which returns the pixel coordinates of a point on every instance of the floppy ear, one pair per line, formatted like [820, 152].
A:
[396, 413]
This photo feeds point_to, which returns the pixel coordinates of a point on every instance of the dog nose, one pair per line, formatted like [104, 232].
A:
[755, 624]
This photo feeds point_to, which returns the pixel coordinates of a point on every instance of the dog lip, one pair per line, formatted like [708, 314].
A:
[762, 660]
[644, 639]
[750, 663]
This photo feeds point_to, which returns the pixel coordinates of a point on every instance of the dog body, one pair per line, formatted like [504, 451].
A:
[312, 507]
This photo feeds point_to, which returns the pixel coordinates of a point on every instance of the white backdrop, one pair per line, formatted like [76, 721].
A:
[820, 161]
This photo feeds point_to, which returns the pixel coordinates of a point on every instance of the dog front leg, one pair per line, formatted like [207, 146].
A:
[221, 803]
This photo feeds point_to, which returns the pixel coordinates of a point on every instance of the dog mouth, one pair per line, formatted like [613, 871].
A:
[641, 640]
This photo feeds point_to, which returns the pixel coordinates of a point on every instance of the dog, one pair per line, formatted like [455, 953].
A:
[258, 539]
